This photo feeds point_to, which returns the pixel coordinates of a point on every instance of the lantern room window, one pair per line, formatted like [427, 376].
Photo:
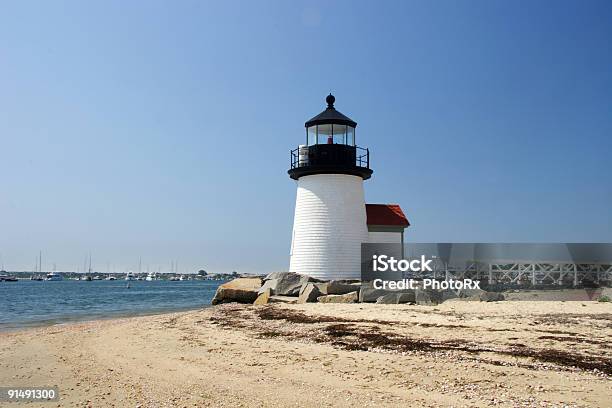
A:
[350, 135]
[330, 133]
[311, 136]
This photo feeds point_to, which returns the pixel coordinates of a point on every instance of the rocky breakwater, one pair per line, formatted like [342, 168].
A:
[289, 287]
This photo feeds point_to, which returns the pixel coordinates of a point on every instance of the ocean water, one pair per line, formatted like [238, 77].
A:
[34, 303]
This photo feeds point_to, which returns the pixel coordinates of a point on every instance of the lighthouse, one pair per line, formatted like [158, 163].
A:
[331, 218]
[330, 221]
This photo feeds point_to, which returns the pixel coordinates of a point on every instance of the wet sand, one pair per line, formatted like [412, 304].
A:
[455, 354]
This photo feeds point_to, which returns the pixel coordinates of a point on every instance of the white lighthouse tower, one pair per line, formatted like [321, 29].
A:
[330, 213]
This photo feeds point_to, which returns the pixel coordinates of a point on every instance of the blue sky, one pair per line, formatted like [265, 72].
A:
[163, 129]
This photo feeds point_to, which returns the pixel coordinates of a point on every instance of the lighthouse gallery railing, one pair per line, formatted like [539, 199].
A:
[304, 156]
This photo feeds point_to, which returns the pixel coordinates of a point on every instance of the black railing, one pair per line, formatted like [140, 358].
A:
[330, 155]
[363, 157]
[295, 158]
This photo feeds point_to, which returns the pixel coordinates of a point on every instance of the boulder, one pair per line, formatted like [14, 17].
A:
[482, 297]
[309, 293]
[286, 283]
[263, 298]
[346, 298]
[322, 287]
[449, 295]
[468, 293]
[282, 299]
[406, 297]
[268, 285]
[396, 298]
[336, 287]
[491, 297]
[458, 299]
[367, 294]
[428, 296]
[274, 275]
[607, 292]
[241, 290]
[280, 275]
[290, 284]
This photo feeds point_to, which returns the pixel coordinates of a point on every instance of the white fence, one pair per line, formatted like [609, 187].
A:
[522, 273]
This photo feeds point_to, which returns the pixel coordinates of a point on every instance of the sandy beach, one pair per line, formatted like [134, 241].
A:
[455, 354]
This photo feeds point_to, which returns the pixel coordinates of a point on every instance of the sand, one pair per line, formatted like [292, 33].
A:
[314, 355]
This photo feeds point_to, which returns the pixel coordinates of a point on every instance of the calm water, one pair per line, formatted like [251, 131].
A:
[33, 303]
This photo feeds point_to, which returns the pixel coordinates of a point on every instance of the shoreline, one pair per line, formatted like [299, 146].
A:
[520, 296]
[462, 354]
[16, 327]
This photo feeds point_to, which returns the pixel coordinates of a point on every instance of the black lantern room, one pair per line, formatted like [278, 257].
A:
[330, 147]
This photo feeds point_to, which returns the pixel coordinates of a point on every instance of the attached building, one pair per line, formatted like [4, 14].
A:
[386, 223]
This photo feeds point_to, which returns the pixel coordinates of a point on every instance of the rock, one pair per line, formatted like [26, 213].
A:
[286, 283]
[449, 295]
[241, 290]
[606, 292]
[458, 299]
[280, 275]
[309, 293]
[322, 287]
[269, 284]
[491, 297]
[290, 284]
[263, 298]
[428, 296]
[282, 299]
[336, 287]
[482, 297]
[346, 298]
[367, 294]
[467, 293]
[407, 297]
[396, 298]
[274, 275]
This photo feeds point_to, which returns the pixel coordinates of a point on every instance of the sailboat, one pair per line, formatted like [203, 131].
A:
[88, 274]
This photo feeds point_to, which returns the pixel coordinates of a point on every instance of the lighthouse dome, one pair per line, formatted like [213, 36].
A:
[331, 116]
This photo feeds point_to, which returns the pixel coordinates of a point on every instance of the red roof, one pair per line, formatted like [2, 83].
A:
[386, 214]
